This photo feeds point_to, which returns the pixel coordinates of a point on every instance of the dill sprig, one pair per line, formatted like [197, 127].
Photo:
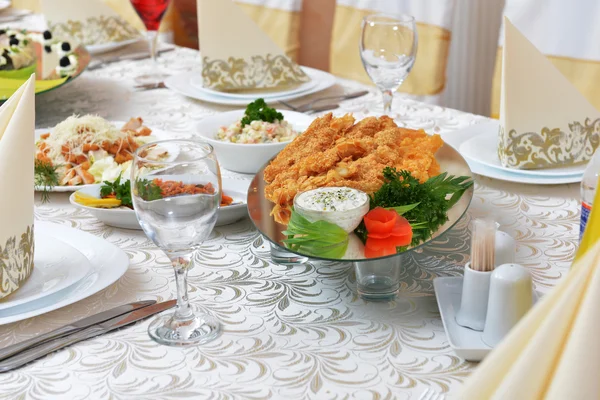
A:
[45, 178]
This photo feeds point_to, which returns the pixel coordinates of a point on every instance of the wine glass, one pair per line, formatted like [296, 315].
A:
[176, 202]
[151, 13]
[388, 48]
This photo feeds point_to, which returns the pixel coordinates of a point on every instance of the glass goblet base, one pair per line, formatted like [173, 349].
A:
[151, 79]
[170, 331]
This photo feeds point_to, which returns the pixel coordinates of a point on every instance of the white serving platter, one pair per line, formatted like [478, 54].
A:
[56, 267]
[182, 84]
[108, 263]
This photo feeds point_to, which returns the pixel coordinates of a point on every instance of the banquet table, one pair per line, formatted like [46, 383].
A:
[289, 331]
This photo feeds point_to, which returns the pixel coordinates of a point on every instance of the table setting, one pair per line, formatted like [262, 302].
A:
[230, 224]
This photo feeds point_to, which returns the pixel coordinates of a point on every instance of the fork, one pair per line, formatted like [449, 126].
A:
[309, 105]
[431, 394]
[150, 86]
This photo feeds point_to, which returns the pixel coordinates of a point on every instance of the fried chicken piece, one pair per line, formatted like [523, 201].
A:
[336, 152]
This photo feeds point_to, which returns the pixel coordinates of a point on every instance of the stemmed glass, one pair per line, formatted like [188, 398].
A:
[388, 48]
[176, 203]
[151, 13]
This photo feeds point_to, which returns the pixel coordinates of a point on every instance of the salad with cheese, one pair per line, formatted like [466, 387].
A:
[89, 149]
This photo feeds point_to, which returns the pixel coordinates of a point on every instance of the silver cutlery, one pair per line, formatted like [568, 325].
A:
[325, 107]
[72, 328]
[150, 86]
[431, 394]
[308, 106]
[87, 333]
[126, 57]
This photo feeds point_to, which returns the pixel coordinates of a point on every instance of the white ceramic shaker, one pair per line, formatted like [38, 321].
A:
[511, 296]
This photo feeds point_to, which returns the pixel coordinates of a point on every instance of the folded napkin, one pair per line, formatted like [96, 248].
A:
[554, 351]
[237, 54]
[94, 22]
[544, 120]
[17, 128]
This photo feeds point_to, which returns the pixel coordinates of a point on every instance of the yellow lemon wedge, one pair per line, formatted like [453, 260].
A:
[91, 201]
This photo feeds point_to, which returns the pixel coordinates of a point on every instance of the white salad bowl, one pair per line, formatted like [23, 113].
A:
[240, 157]
[125, 218]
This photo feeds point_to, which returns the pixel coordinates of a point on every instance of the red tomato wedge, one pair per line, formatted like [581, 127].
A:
[380, 221]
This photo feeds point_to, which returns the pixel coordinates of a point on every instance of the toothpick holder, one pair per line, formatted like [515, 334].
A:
[474, 301]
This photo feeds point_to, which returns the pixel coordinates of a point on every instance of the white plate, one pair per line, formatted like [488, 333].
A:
[465, 342]
[457, 138]
[4, 4]
[251, 95]
[125, 218]
[245, 158]
[108, 264]
[56, 267]
[38, 132]
[181, 83]
[482, 149]
[95, 49]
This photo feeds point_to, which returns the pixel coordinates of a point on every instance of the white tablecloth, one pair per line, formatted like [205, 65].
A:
[290, 332]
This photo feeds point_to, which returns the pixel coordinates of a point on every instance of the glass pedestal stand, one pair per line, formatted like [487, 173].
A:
[378, 280]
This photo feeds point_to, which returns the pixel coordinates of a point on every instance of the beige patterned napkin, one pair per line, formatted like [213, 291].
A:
[17, 129]
[544, 121]
[90, 24]
[237, 54]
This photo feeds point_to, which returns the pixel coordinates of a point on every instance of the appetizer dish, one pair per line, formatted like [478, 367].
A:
[110, 202]
[260, 124]
[89, 149]
[245, 140]
[371, 179]
[21, 52]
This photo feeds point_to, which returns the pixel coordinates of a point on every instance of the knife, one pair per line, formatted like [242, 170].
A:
[73, 327]
[136, 56]
[87, 333]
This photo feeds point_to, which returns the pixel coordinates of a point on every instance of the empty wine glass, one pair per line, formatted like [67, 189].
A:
[151, 13]
[388, 48]
[176, 192]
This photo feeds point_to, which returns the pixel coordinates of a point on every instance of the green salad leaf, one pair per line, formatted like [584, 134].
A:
[148, 190]
[320, 238]
[259, 111]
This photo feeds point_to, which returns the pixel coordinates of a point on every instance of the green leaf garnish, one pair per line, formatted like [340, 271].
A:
[45, 178]
[259, 111]
[148, 190]
[122, 191]
[319, 239]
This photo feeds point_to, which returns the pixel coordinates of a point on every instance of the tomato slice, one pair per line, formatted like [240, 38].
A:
[380, 221]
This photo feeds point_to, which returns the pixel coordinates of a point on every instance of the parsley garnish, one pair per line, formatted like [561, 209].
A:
[45, 178]
[122, 191]
[259, 111]
[148, 190]
[400, 188]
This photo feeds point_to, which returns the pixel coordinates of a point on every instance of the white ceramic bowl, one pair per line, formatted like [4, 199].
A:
[126, 218]
[245, 158]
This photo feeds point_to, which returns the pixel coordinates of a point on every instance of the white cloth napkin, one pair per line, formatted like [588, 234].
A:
[17, 130]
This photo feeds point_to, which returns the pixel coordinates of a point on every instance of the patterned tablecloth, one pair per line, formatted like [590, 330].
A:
[290, 332]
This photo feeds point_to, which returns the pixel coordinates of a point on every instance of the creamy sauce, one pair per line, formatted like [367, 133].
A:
[332, 199]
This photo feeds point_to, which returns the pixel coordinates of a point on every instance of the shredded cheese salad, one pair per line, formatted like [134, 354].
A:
[89, 149]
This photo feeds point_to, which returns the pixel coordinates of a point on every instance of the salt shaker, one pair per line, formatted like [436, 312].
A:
[476, 281]
[506, 249]
[510, 297]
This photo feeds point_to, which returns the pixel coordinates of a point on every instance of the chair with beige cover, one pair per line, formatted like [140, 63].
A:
[566, 33]
[434, 22]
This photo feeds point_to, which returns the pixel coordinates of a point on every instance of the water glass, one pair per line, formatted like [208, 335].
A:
[176, 198]
[388, 48]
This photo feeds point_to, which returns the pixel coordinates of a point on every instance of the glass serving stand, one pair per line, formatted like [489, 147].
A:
[376, 278]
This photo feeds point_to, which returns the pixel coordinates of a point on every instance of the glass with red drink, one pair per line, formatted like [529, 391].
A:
[151, 13]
